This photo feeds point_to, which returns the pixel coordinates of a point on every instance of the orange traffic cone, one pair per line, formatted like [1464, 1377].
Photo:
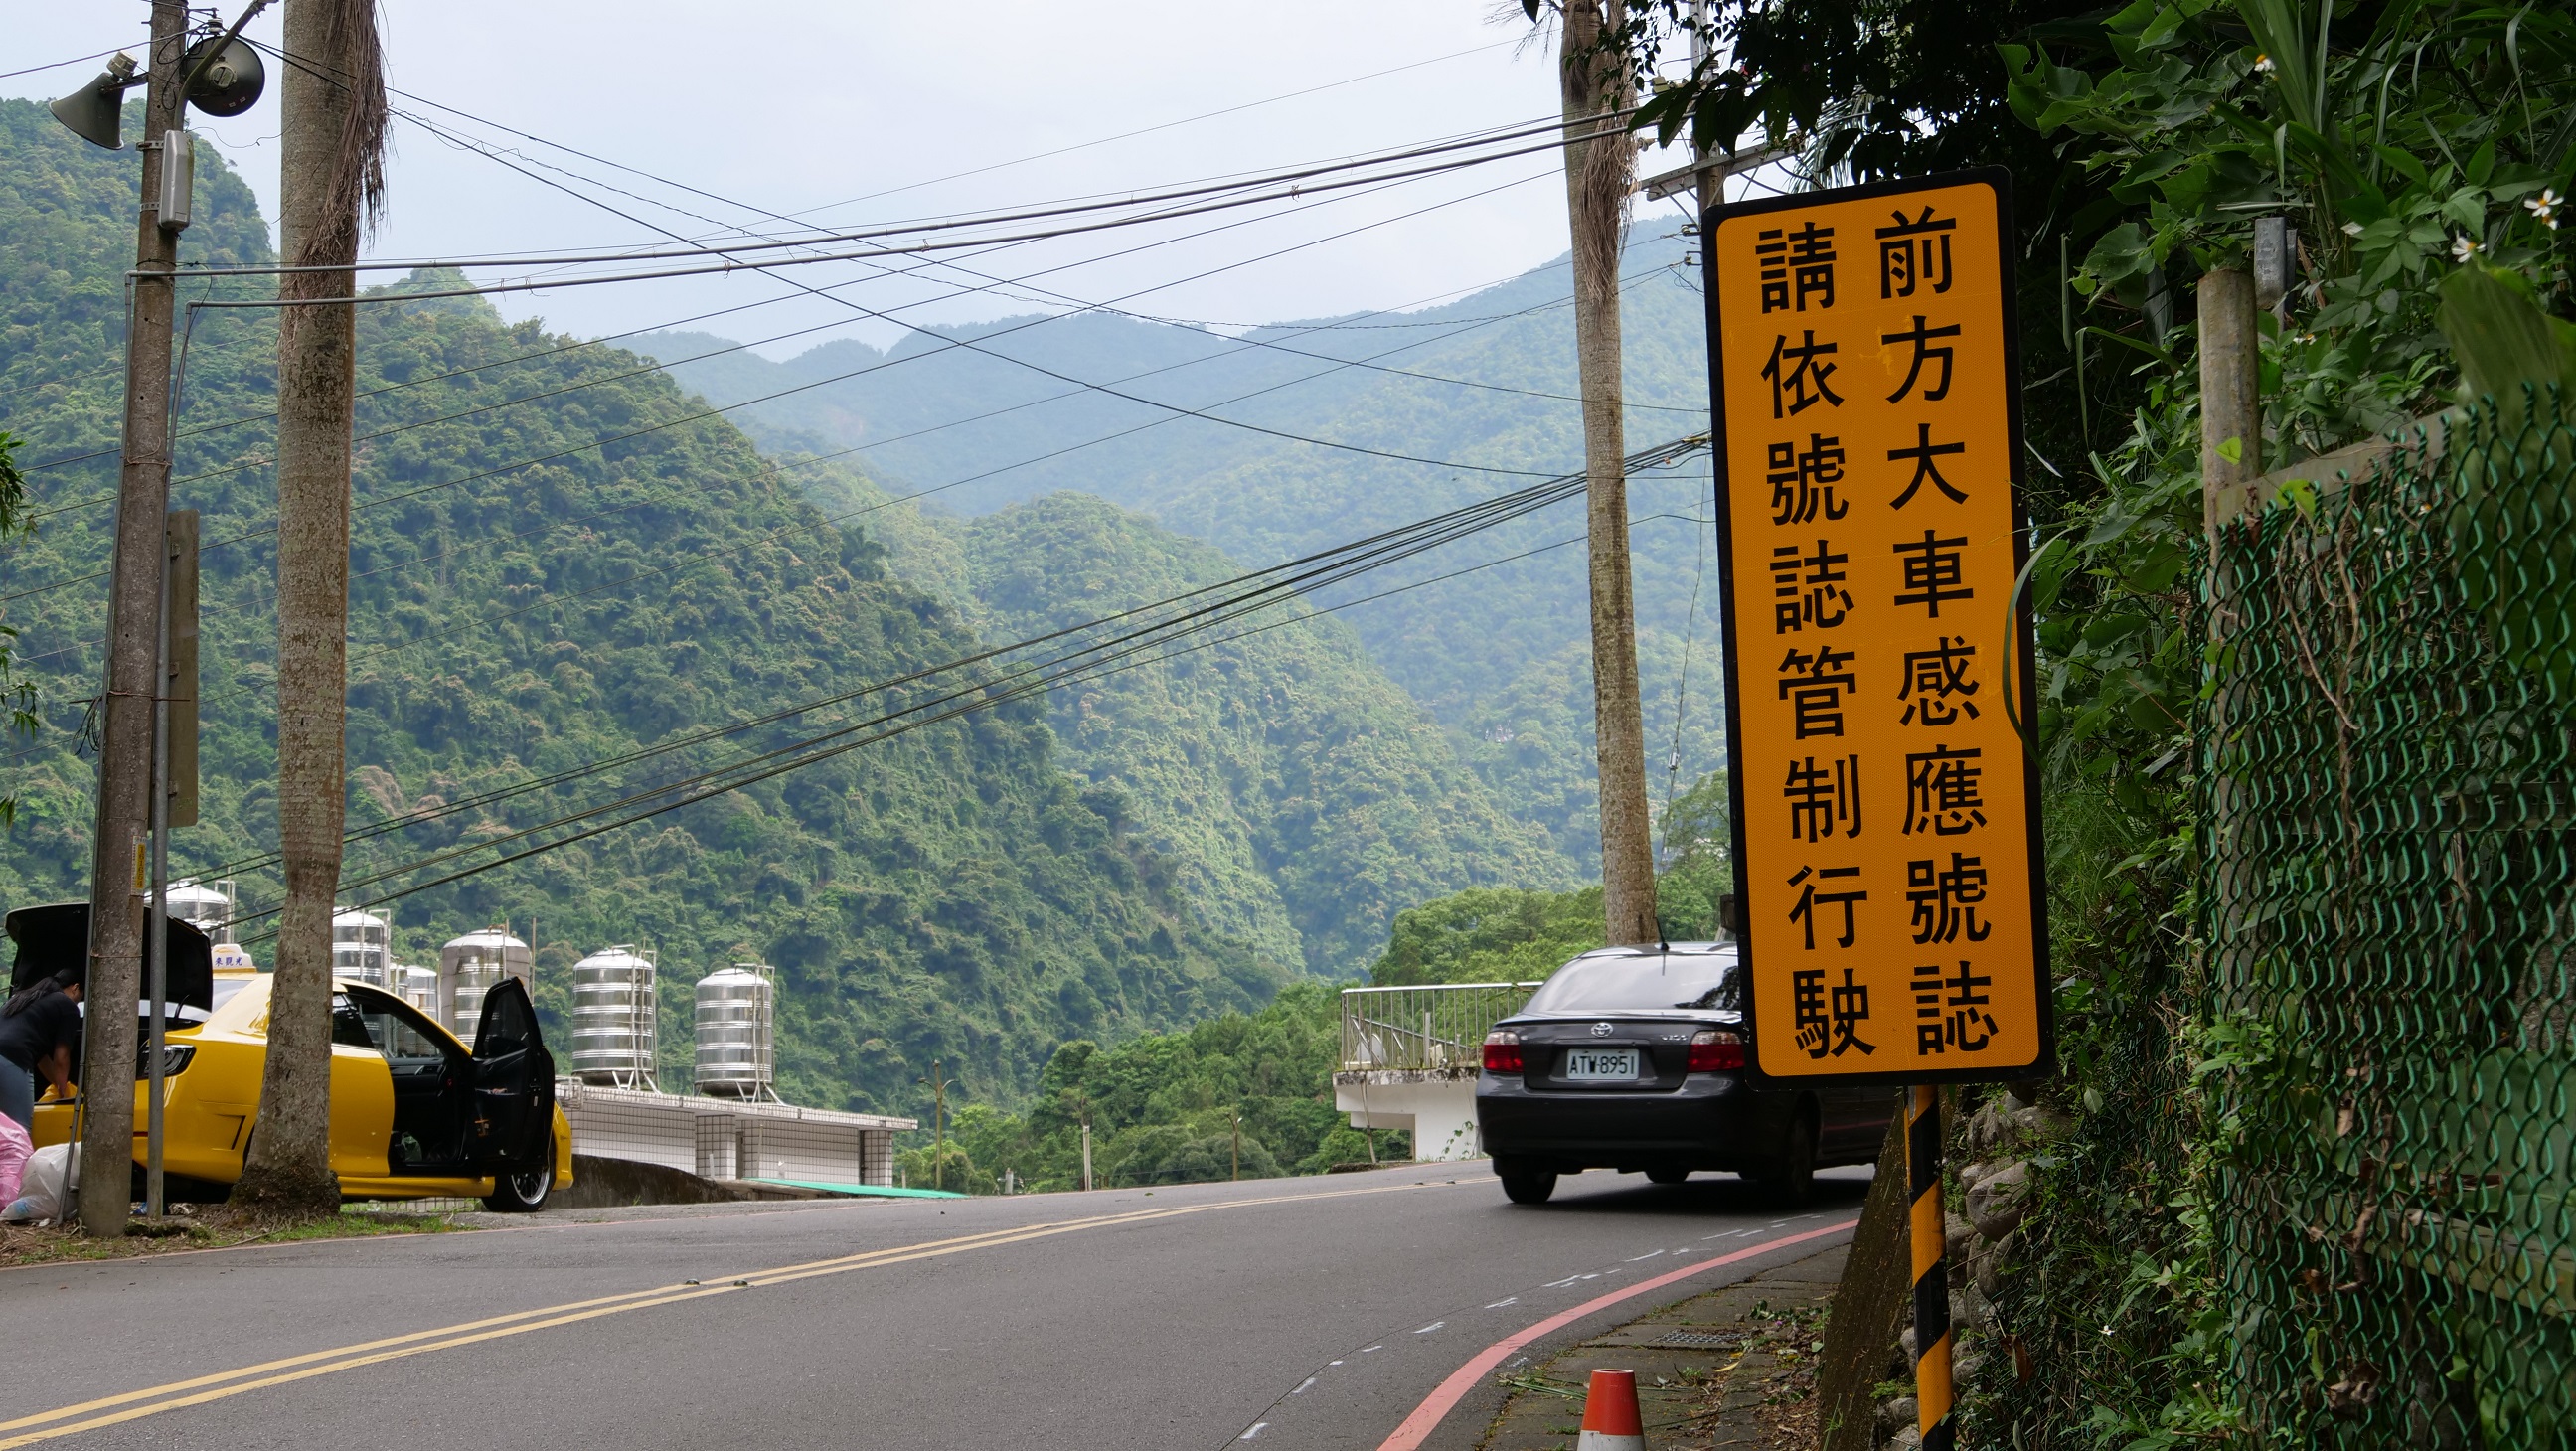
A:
[1610, 1420]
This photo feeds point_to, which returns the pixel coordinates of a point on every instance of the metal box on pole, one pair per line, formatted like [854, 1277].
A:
[178, 178]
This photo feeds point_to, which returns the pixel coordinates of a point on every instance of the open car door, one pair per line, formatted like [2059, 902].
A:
[514, 1085]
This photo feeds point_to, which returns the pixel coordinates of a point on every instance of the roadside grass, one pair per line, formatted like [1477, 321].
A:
[22, 1244]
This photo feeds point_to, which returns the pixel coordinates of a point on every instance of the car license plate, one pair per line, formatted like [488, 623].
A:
[1595, 1064]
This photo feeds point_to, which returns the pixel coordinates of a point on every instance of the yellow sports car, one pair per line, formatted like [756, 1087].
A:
[414, 1112]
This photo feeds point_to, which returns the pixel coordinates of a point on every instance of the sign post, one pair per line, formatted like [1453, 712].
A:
[1878, 660]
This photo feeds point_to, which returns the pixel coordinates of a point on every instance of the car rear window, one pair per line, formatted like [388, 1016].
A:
[1642, 982]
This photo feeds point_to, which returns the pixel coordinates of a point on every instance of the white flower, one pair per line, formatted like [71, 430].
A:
[2263, 64]
[2462, 249]
[2545, 207]
[2352, 229]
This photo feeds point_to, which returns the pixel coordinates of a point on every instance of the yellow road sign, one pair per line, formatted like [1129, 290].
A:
[1868, 438]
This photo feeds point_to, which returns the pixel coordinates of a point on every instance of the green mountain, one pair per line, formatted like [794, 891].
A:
[1303, 798]
[1252, 1093]
[527, 598]
[1247, 1091]
[1500, 655]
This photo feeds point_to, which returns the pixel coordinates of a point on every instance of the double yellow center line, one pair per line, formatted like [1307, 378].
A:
[179, 1395]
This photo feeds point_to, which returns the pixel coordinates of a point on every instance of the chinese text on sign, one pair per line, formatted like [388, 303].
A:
[1869, 463]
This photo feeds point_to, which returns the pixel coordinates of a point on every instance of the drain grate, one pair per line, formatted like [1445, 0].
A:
[1696, 1340]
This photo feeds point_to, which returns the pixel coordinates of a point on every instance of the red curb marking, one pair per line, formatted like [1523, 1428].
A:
[1436, 1406]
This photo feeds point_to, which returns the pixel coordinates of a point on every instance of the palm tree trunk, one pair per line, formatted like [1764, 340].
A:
[1598, 177]
[331, 175]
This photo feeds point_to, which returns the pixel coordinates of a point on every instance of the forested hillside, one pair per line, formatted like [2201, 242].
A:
[1499, 655]
[528, 597]
[1302, 797]
[1164, 1107]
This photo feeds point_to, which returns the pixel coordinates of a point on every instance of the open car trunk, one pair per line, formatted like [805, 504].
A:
[54, 938]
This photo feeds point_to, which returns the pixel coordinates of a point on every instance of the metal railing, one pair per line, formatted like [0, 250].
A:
[1440, 1026]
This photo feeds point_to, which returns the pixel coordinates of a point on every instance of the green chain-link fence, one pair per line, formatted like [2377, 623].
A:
[2388, 901]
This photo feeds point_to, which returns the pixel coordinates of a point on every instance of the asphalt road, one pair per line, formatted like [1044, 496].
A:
[1302, 1313]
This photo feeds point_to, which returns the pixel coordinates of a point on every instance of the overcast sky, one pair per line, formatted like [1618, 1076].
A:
[852, 114]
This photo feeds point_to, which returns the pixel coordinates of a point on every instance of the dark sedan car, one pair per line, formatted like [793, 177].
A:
[1632, 1058]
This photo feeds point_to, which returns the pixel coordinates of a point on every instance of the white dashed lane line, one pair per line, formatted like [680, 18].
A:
[1324, 1393]
[1275, 1425]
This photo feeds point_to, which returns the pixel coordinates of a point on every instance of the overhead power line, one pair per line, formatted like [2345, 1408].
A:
[985, 282]
[995, 166]
[1253, 189]
[56, 65]
[331, 74]
[775, 264]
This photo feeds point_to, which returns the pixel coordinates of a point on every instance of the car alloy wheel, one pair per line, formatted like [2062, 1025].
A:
[1792, 1179]
[523, 1193]
[1523, 1184]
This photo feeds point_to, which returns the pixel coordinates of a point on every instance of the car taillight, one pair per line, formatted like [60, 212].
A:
[1712, 1050]
[1502, 1051]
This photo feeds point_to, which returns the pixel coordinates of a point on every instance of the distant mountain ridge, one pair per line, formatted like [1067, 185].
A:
[1495, 654]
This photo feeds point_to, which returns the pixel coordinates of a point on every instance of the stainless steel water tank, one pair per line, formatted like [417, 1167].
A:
[417, 986]
[614, 1007]
[361, 947]
[737, 1036]
[473, 965]
[206, 906]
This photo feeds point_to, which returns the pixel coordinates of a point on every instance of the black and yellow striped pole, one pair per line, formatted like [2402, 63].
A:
[1931, 1270]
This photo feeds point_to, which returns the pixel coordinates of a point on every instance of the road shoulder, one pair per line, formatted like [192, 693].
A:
[1730, 1367]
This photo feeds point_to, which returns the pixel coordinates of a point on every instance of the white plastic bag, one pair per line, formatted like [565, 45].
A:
[15, 1147]
[46, 1186]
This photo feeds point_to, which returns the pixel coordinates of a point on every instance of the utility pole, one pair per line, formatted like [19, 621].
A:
[174, 803]
[1599, 170]
[115, 970]
[1086, 1156]
[939, 1127]
[1237, 1173]
[331, 178]
[1709, 184]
